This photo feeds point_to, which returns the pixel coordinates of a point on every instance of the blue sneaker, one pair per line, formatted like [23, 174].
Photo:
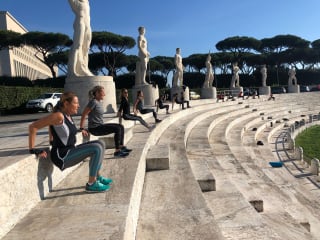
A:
[125, 149]
[97, 187]
[103, 180]
[120, 154]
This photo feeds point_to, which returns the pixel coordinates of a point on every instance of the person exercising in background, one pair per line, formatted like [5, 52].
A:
[96, 126]
[124, 110]
[160, 104]
[180, 101]
[138, 107]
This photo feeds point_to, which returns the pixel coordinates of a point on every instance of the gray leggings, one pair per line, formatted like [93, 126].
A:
[93, 149]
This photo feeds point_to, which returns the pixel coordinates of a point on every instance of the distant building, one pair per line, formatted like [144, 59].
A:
[20, 62]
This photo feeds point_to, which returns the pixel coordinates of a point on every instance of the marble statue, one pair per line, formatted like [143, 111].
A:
[78, 56]
[178, 76]
[263, 71]
[235, 76]
[209, 74]
[292, 76]
[144, 55]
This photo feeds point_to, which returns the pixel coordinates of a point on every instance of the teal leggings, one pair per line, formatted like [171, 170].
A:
[93, 149]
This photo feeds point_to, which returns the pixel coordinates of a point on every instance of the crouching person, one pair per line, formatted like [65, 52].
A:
[62, 135]
[96, 126]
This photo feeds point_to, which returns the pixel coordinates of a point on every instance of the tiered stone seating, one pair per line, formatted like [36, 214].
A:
[197, 145]
[174, 196]
[193, 177]
[237, 217]
[248, 164]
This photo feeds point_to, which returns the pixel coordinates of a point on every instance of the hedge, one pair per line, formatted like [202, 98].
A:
[14, 99]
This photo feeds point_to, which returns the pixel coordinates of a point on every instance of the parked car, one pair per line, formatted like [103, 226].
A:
[304, 88]
[278, 90]
[194, 95]
[315, 88]
[45, 102]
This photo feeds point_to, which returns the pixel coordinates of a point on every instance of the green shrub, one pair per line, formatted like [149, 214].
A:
[14, 99]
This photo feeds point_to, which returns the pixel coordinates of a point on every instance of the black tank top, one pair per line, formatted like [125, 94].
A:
[64, 139]
[139, 105]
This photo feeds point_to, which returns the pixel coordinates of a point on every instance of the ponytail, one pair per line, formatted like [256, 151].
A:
[65, 97]
[93, 91]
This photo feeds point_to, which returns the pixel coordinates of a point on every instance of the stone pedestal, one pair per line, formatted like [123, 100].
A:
[179, 90]
[150, 93]
[82, 85]
[208, 93]
[265, 90]
[294, 89]
[235, 91]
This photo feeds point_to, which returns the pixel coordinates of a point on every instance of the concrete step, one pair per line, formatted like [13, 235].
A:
[109, 139]
[39, 177]
[25, 182]
[78, 211]
[178, 207]
[158, 158]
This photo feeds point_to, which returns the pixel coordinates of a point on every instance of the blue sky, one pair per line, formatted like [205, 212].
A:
[194, 26]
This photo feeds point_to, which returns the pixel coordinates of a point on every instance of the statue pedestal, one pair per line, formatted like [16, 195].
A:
[265, 90]
[294, 89]
[82, 85]
[235, 91]
[208, 93]
[150, 93]
[179, 90]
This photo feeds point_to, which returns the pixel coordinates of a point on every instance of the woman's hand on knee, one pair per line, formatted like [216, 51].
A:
[85, 132]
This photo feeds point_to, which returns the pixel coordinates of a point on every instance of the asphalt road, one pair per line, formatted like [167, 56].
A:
[13, 125]
[17, 125]
[21, 118]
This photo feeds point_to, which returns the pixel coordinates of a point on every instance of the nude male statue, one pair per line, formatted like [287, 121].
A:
[179, 69]
[264, 75]
[78, 56]
[209, 74]
[144, 56]
[235, 76]
[292, 77]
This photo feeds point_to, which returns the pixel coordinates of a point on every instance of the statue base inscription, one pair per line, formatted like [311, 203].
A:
[235, 91]
[265, 90]
[208, 93]
[294, 89]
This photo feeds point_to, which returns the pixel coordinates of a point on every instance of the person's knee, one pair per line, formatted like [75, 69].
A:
[101, 144]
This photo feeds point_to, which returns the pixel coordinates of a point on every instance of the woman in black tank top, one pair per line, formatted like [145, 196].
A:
[65, 153]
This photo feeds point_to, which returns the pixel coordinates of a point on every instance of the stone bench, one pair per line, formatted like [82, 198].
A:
[109, 139]
[34, 179]
[158, 158]
[203, 175]
[173, 196]
[25, 180]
